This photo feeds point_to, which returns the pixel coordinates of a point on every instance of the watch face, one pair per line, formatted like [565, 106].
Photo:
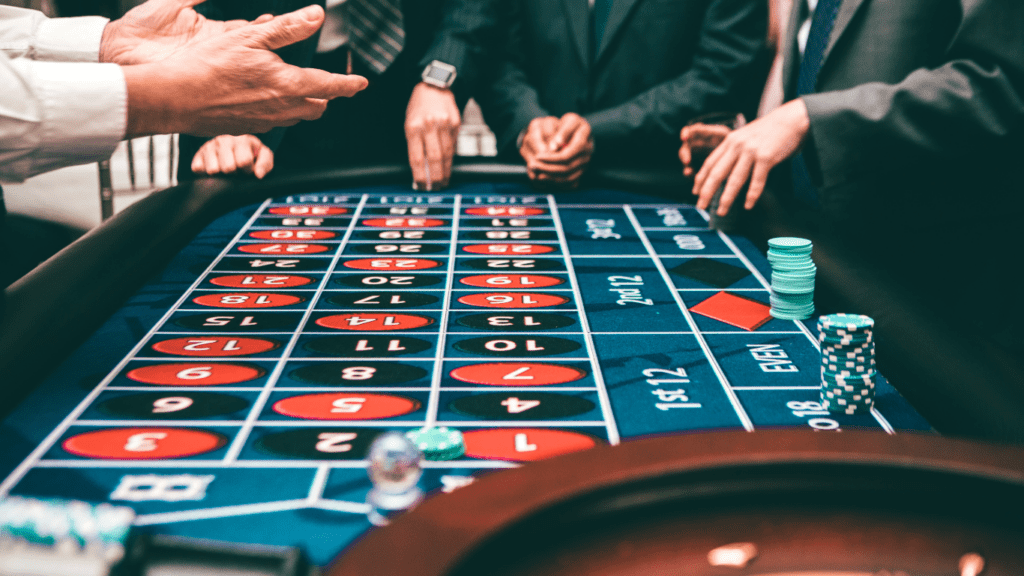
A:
[439, 74]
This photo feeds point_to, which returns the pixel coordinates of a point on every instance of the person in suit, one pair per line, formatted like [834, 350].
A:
[422, 58]
[612, 82]
[885, 100]
[902, 136]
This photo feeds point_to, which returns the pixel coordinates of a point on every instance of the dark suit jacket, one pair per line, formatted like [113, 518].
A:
[919, 104]
[916, 140]
[660, 63]
[369, 127]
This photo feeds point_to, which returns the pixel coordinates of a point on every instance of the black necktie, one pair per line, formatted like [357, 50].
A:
[376, 31]
[599, 19]
[810, 65]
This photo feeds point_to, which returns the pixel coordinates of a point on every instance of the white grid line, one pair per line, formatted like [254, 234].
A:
[243, 435]
[18, 473]
[741, 413]
[438, 374]
[606, 405]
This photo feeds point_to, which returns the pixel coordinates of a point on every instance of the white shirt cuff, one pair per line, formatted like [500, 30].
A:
[70, 39]
[81, 115]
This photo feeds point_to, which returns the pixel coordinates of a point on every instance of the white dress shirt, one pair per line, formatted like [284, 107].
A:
[58, 105]
[333, 34]
[805, 27]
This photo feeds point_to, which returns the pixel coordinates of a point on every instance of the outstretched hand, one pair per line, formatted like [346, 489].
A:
[233, 83]
[154, 30]
[748, 154]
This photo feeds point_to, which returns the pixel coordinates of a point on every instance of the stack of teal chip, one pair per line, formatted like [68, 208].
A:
[793, 273]
[438, 443]
[847, 363]
[66, 537]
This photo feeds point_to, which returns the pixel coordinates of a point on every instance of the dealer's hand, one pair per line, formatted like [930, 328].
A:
[233, 83]
[154, 30]
[698, 141]
[432, 122]
[749, 154]
[229, 154]
[557, 150]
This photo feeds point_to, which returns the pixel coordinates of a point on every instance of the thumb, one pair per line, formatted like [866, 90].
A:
[286, 29]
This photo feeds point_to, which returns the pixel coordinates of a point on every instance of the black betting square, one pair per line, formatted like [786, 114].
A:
[712, 272]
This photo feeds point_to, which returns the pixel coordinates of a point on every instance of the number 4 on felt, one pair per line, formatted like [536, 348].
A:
[517, 406]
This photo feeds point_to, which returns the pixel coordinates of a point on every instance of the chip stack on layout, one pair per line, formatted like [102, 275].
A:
[793, 273]
[847, 363]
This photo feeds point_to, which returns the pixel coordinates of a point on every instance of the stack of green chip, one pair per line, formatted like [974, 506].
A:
[847, 363]
[438, 443]
[793, 272]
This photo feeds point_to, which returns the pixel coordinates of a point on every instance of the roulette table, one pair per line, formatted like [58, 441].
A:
[220, 357]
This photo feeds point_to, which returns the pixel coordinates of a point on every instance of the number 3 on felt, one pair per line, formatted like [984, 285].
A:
[145, 442]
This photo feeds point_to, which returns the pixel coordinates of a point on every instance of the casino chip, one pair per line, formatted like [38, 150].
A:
[793, 273]
[438, 443]
[847, 363]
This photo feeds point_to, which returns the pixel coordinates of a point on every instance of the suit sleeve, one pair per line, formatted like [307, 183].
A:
[508, 100]
[727, 74]
[969, 105]
[464, 37]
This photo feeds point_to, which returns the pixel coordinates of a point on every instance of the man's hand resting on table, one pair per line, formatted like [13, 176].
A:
[557, 150]
[432, 122]
[229, 154]
[748, 154]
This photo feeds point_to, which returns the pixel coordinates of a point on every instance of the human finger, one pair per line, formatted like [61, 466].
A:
[198, 166]
[705, 170]
[562, 168]
[314, 83]
[226, 154]
[570, 176]
[715, 177]
[416, 158]
[757, 183]
[737, 179]
[210, 163]
[567, 127]
[434, 156]
[447, 138]
[535, 141]
[262, 19]
[284, 30]
[264, 162]
[245, 151]
[685, 154]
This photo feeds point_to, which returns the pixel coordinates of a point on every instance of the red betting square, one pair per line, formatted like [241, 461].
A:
[734, 310]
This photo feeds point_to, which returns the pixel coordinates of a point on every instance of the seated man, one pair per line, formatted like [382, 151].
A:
[898, 113]
[421, 57]
[619, 78]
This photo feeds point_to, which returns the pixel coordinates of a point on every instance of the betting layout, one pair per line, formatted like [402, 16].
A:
[534, 327]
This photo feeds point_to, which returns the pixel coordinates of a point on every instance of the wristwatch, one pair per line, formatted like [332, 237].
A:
[439, 74]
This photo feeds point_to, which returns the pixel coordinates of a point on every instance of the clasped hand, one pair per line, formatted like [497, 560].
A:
[557, 150]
